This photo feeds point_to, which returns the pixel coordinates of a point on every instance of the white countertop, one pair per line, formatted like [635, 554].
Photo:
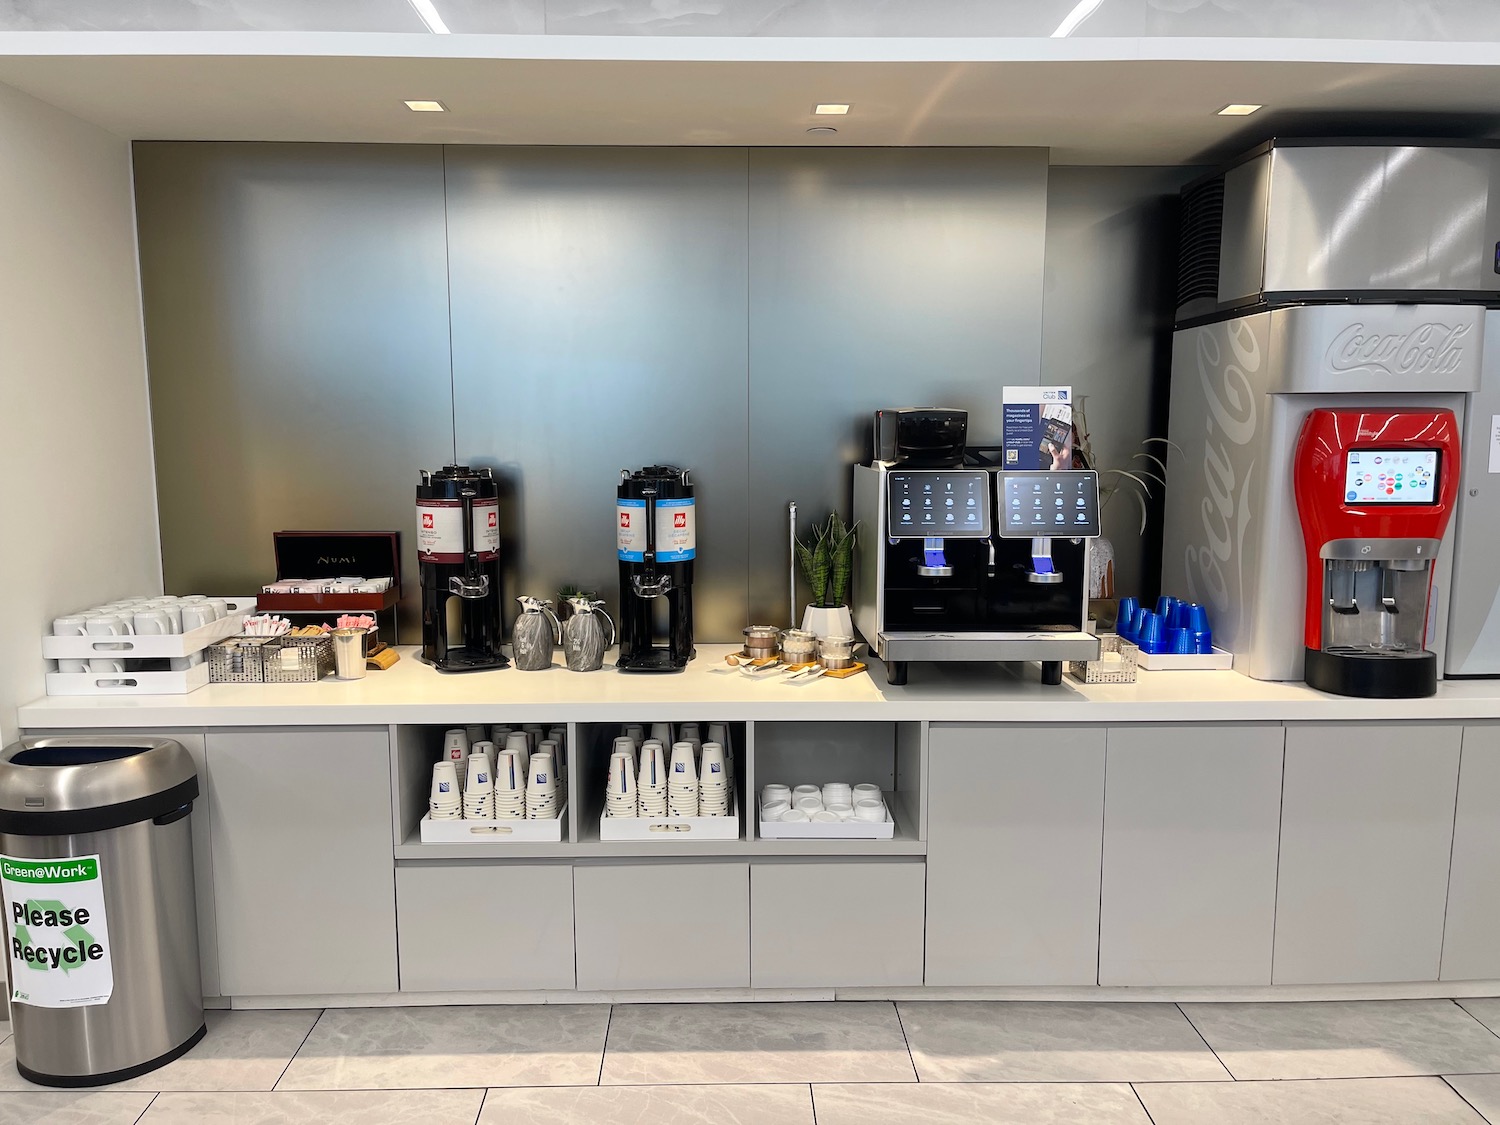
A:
[412, 692]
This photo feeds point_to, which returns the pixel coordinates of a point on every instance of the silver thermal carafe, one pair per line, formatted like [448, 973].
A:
[656, 541]
[458, 547]
[968, 563]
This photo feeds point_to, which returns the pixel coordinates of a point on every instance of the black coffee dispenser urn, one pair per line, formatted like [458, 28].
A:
[657, 540]
[458, 549]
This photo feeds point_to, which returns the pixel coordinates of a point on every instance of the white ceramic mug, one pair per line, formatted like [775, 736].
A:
[151, 623]
[195, 615]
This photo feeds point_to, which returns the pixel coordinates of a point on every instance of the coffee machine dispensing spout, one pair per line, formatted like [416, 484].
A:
[473, 583]
[1043, 571]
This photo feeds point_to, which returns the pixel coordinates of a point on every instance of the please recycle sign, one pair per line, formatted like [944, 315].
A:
[57, 930]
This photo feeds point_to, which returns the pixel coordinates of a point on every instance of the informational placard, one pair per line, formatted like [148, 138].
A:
[59, 935]
[1037, 427]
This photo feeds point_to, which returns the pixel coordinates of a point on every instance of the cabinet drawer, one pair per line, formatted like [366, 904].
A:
[662, 924]
[836, 924]
[524, 913]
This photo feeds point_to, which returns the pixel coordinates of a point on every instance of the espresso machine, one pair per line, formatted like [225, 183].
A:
[970, 562]
[656, 542]
[1375, 490]
[458, 549]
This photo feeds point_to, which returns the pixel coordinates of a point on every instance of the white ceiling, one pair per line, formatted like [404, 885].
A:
[1098, 101]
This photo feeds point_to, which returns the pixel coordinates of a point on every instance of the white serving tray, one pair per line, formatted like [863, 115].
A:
[1215, 661]
[149, 648]
[845, 830]
[494, 831]
[128, 683]
[666, 829]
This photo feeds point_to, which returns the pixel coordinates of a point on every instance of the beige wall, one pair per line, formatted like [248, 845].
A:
[78, 503]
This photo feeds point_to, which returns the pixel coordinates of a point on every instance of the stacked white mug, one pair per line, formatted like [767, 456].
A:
[479, 789]
[445, 802]
[713, 782]
[510, 787]
[541, 788]
[620, 797]
[652, 779]
[682, 781]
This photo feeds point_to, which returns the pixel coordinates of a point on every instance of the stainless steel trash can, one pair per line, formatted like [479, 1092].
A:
[101, 929]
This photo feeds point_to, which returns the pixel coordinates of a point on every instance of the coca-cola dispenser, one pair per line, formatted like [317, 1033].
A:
[1375, 491]
[458, 549]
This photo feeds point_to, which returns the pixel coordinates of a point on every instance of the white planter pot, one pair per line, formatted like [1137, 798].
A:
[834, 622]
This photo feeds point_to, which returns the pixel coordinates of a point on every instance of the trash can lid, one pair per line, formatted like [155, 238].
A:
[51, 775]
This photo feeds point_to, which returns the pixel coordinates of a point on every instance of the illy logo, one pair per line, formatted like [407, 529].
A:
[1433, 348]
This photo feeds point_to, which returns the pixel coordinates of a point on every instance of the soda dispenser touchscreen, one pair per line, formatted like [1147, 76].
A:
[1382, 476]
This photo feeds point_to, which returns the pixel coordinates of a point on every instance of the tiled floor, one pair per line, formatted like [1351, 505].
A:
[1403, 1062]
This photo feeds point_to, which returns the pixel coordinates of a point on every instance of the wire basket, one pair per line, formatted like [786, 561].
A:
[1097, 672]
[236, 660]
[297, 660]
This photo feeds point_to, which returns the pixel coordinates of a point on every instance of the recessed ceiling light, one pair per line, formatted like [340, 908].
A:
[822, 130]
[831, 108]
[426, 107]
[430, 16]
[1239, 109]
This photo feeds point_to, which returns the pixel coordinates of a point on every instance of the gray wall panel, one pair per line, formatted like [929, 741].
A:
[879, 277]
[297, 335]
[610, 307]
[599, 324]
[1109, 238]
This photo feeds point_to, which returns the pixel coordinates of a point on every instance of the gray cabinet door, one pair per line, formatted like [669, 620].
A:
[662, 923]
[1191, 817]
[304, 874]
[468, 925]
[1016, 818]
[1366, 833]
[1471, 938]
[836, 924]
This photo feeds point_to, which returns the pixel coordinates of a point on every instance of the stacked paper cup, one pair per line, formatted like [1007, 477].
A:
[719, 732]
[456, 750]
[713, 782]
[510, 787]
[541, 788]
[620, 797]
[682, 781]
[517, 742]
[445, 802]
[479, 789]
[652, 779]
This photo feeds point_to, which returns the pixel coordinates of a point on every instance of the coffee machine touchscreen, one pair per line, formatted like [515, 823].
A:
[1061, 504]
[947, 503]
[1383, 476]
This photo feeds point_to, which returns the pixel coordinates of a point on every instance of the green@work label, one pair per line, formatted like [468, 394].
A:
[57, 932]
[50, 871]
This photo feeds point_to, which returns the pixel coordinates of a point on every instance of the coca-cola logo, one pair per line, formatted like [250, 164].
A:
[1225, 509]
[1433, 348]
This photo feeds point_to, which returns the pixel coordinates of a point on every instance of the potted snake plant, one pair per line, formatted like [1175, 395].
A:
[827, 562]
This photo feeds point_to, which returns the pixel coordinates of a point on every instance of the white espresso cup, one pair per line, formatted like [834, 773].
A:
[195, 615]
[151, 623]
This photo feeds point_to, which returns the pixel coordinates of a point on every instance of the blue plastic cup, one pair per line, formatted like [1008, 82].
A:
[1203, 641]
[1177, 618]
[1125, 618]
[1150, 634]
[1164, 606]
[1180, 642]
[1197, 618]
